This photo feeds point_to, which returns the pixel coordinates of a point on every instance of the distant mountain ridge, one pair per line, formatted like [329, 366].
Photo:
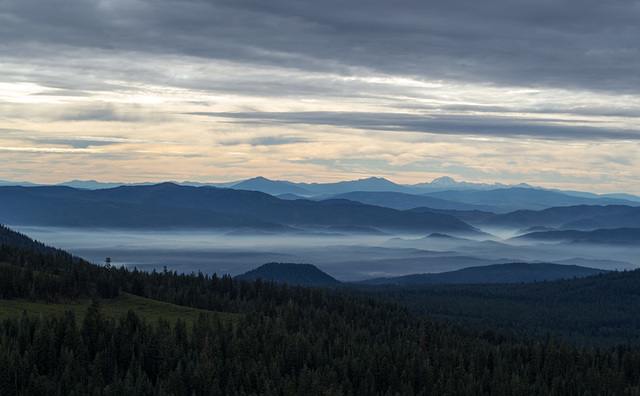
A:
[260, 183]
[272, 187]
[441, 194]
[404, 201]
[448, 183]
[519, 198]
[167, 205]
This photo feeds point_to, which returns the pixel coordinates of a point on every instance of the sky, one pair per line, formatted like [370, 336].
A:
[545, 92]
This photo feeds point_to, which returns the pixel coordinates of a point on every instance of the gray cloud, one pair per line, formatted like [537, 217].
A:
[276, 140]
[70, 93]
[574, 44]
[558, 108]
[105, 113]
[76, 144]
[490, 126]
[264, 141]
[548, 70]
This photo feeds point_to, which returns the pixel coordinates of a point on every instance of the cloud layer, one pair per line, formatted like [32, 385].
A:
[543, 92]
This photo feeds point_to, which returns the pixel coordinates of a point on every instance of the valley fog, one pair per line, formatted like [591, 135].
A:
[347, 257]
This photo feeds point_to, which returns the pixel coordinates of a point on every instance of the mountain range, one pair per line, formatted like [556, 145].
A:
[185, 206]
[277, 187]
[171, 205]
[443, 193]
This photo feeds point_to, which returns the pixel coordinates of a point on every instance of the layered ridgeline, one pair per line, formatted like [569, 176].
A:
[372, 203]
[441, 193]
[170, 205]
[443, 186]
[280, 340]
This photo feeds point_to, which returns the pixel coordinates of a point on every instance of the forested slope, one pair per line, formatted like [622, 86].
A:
[598, 310]
[288, 340]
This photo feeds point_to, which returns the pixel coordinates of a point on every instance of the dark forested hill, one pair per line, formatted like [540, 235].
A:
[12, 238]
[498, 273]
[618, 236]
[295, 274]
[596, 310]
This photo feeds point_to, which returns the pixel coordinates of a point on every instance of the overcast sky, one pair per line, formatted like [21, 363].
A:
[542, 92]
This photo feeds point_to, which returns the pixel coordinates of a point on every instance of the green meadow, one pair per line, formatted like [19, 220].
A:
[150, 310]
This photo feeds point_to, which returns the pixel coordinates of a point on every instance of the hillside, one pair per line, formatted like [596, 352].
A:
[619, 236]
[497, 273]
[596, 310]
[580, 217]
[146, 308]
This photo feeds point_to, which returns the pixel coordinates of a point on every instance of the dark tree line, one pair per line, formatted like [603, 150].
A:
[597, 310]
[357, 347]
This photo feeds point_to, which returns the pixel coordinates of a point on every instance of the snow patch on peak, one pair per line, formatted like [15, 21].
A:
[444, 181]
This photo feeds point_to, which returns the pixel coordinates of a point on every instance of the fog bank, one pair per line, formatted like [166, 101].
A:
[347, 257]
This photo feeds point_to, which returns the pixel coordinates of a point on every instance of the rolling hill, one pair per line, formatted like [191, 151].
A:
[618, 236]
[497, 273]
[580, 217]
[295, 274]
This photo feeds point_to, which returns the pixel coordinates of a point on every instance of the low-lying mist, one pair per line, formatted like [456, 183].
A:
[346, 256]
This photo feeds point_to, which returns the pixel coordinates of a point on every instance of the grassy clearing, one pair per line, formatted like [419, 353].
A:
[15, 307]
[151, 310]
